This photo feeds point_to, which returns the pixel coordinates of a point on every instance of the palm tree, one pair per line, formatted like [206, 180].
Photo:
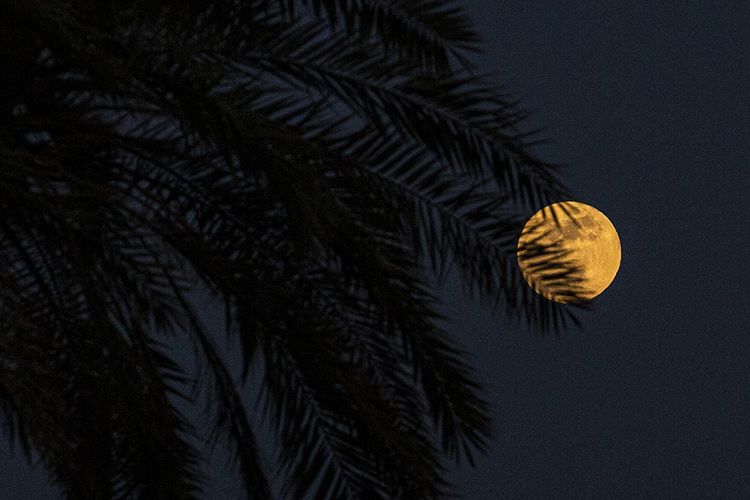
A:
[318, 167]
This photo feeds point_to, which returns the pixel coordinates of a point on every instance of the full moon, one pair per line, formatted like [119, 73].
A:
[573, 236]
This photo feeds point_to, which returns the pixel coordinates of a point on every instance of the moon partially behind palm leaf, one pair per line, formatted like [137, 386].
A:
[569, 252]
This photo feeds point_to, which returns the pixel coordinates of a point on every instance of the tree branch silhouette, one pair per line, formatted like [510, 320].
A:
[316, 166]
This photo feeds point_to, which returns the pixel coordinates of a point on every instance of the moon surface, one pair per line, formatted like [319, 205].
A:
[573, 237]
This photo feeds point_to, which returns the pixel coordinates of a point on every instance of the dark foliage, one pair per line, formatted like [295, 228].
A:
[312, 164]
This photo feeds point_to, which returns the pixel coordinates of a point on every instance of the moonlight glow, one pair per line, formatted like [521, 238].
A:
[584, 238]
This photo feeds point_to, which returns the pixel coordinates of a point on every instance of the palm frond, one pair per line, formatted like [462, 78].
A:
[314, 165]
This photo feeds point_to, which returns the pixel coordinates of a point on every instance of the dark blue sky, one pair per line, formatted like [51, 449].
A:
[649, 103]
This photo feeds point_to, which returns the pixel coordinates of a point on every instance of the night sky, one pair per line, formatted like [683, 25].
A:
[649, 105]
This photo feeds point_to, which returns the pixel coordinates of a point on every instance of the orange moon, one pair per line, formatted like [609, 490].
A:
[569, 235]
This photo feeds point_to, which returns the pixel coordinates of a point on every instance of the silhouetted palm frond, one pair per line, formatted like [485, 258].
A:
[314, 165]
